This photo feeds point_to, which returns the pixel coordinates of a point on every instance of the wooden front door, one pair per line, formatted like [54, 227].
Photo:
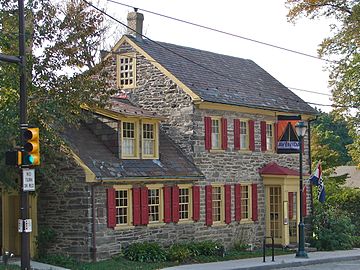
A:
[274, 215]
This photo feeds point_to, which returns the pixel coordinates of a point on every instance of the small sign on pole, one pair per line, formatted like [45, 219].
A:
[28, 179]
[27, 225]
[20, 225]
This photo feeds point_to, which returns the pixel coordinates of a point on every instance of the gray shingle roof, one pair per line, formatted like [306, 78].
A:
[105, 165]
[225, 79]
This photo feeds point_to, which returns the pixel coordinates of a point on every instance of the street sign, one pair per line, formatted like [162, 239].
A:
[28, 179]
[27, 225]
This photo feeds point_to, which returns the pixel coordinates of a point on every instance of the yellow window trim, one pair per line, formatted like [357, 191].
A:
[129, 224]
[125, 55]
[156, 139]
[190, 215]
[161, 204]
[246, 120]
[136, 132]
[222, 206]
[217, 118]
[273, 136]
[249, 219]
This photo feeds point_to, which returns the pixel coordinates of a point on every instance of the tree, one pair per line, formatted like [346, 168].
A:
[329, 141]
[344, 45]
[62, 44]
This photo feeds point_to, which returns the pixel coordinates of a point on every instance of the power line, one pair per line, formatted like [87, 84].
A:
[309, 91]
[227, 33]
[198, 64]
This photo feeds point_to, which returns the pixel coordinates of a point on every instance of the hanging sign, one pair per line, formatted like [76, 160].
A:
[287, 139]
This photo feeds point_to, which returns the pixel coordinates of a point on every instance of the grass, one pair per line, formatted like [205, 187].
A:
[120, 262]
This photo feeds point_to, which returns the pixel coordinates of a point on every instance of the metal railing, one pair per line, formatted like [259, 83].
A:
[272, 248]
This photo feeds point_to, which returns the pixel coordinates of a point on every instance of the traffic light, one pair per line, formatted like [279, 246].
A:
[31, 155]
[13, 158]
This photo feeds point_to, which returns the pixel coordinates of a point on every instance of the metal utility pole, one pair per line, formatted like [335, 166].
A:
[24, 223]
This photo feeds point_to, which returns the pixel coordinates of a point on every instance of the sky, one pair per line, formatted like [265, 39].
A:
[262, 20]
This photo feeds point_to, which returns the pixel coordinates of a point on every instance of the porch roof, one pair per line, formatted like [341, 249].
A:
[275, 169]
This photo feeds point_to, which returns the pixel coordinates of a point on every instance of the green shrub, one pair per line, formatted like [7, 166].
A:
[46, 236]
[240, 246]
[207, 248]
[332, 229]
[180, 252]
[145, 252]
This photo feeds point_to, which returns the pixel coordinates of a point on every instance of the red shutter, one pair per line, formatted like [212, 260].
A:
[237, 202]
[144, 206]
[175, 203]
[136, 206]
[251, 135]
[236, 134]
[254, 198]
[207, 121]
[291, 204]
[263, 135]
[304, 202]
[227, 204]
[167, 204]
[224, 135]
[275, 136]
[196, 202]
[111, 208]
[208, 205]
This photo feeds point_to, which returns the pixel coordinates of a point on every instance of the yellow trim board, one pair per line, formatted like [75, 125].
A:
[235, 108]
[187, 90]
[89, 175]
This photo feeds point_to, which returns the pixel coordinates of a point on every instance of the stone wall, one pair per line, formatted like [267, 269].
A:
[68, 213]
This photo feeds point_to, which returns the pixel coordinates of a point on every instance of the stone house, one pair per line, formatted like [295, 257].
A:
[187, 151]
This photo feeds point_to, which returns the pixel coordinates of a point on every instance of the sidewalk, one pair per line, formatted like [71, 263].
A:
[280, 261]
[37, 265]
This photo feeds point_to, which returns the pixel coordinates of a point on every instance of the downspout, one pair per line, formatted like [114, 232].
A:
[93, 227]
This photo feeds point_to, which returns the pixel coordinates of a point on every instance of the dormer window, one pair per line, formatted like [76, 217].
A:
[126, 71]
[139, 139]
[129, 139]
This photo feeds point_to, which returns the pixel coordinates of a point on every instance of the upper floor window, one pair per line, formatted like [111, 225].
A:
[269, 136]
[149, 140]
[132, 138]
[244, 135]
[126, 71]
[215, 133]
[129, 139]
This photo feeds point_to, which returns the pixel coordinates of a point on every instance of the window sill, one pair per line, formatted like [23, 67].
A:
[216, 150]
[187, 221]
[124, 227]
[245, 151]
[219, 224]
[246, 221]
[157, 224]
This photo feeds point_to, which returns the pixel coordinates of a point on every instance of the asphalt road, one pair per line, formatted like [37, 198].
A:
[346, 265]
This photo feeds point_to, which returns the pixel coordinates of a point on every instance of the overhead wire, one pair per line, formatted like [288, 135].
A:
[226, 33]
[186, 58]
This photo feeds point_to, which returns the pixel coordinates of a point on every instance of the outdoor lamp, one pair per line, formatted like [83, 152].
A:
[300, 131]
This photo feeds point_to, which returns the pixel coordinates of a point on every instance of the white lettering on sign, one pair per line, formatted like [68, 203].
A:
[28, 179]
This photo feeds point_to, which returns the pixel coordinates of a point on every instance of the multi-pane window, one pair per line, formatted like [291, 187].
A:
[148, 139]
[154, 202]
[269, 137]
[126, 71]
[128, 139]
[244, 142]
[217, 204]
[215, 134]
[184, 203]
[122, 203]
[245, 202]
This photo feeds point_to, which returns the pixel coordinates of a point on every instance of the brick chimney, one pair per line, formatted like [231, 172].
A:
[135, 22]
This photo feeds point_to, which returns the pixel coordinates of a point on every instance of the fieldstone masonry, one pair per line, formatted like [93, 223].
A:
[70, 213]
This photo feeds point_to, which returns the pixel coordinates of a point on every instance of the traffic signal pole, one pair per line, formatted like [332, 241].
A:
[24, 195]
